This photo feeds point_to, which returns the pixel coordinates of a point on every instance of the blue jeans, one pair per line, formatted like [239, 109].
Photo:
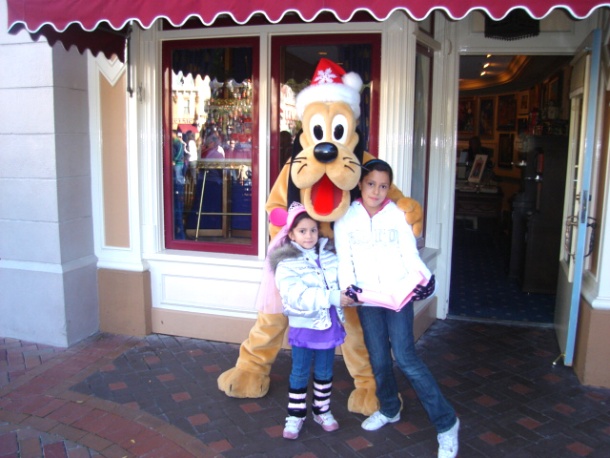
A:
[178, 211]
[301, 366]
[386, 332]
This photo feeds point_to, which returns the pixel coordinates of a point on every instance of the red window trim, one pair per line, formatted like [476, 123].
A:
[168, 203]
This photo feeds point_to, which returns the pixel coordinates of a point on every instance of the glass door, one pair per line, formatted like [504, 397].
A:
[584, 96]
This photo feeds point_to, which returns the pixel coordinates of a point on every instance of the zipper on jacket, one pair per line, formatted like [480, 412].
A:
[319, 263]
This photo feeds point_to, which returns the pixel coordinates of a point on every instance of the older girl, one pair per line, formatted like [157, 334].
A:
[376, 250]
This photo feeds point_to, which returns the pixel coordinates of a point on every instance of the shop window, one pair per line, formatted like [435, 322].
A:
[294, 60]
[210, 150]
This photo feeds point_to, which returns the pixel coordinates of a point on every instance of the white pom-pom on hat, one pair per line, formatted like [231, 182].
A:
[331, 83]
[353, 80]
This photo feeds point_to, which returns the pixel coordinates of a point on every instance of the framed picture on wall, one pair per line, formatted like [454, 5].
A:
[524, 103]
[507, 112]
[478, 168]
[554, 91]
[486, 117]
[466, 117]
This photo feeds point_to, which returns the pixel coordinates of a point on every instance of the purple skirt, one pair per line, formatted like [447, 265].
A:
[316, 339]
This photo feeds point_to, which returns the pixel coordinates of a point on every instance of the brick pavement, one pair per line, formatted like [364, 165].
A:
[41, 416]
[116, 396]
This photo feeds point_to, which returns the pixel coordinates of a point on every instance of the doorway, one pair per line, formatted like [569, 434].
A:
[507, 228]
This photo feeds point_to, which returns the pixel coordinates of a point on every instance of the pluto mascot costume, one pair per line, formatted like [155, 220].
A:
[322, 172]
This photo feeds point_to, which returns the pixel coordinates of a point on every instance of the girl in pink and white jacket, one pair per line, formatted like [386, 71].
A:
[307, 279]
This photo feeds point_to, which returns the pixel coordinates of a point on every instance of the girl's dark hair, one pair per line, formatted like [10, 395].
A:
[299, 218]
[379, 165]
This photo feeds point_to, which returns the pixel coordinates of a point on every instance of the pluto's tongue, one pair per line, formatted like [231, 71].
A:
[323, 196]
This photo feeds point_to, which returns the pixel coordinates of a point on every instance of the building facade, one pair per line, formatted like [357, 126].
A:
[86, 241]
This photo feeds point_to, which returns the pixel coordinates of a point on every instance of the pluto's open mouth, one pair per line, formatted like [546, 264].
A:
[325, 196]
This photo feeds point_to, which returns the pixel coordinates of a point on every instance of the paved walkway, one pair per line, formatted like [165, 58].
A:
[40, 415]
[119, 396]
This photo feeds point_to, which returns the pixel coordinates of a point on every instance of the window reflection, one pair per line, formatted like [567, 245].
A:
[211, 114]
[421, 128]
[297, 59]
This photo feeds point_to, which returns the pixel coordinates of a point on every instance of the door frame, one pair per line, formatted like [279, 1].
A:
[576, 204]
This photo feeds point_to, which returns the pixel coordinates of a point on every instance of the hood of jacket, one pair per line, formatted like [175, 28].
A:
[292, 250]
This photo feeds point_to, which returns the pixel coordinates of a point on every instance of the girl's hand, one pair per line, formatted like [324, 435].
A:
[346, 301]
[423, 292]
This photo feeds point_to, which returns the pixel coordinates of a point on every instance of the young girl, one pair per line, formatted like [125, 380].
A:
[376, 248]
[306, 277]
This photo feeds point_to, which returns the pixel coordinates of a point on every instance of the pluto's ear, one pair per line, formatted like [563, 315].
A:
[296, 144]
[359, 150]
[359, 153]
[294, 193]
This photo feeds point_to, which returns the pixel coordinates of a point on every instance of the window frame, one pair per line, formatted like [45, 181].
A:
[425, 51]
[167, 47]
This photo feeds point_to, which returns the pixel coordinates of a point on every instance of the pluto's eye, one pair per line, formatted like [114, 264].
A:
[339, 128]
[318, 132]
[317, 126]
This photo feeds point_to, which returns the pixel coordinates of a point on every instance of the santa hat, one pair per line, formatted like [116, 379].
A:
[331, 83]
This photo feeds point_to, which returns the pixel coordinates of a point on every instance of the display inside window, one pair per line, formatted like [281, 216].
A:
[210, 168]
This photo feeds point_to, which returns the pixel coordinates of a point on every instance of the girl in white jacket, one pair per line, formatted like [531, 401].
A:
[306, 277]
[377, 250]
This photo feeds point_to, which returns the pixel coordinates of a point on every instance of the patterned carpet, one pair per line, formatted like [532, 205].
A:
[480, 287]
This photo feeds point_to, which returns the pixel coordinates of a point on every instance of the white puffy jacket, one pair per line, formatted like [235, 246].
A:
[307, 291]
[375, 253]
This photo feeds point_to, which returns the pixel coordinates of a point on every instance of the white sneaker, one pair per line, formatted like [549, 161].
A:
[377, 420]
[448, 442]
[327, 421]
[293, 427]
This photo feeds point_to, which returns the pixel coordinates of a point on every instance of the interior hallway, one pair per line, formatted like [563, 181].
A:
[481, 288]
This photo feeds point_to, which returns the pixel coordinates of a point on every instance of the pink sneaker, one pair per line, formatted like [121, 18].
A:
[327, 421]
[293, 427]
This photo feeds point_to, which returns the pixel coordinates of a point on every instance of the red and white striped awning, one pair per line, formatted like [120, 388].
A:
[72, 21]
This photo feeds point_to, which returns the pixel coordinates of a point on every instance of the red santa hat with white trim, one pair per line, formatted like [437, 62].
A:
[331, 83]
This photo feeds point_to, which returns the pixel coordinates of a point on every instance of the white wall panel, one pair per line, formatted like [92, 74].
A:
[33, 314]
[29, 65]
[75, 159]
[19, 195]
[27, 114]
[68, 69]
[74, 194]
[29, 241]
[76, 238]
